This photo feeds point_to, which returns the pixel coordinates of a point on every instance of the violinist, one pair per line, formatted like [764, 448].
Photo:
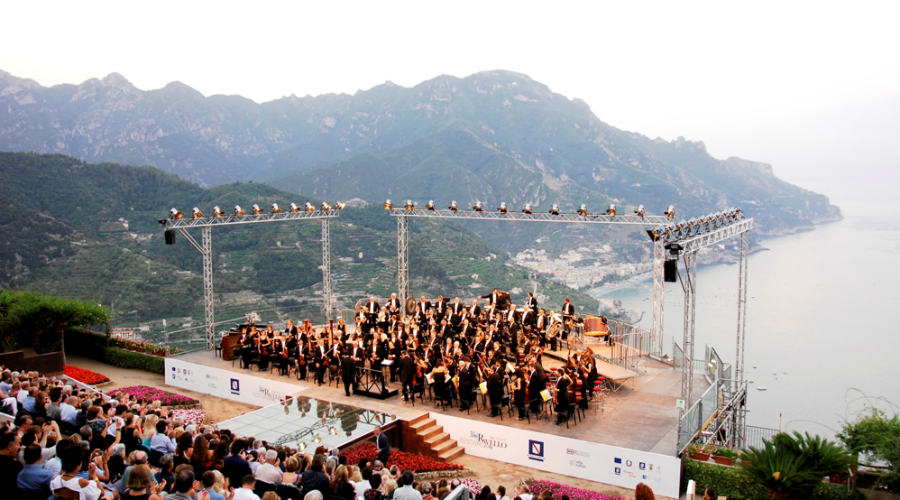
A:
[468, 379]
[518, 391]
[393, 305]
[302, 358]
[562, 397]
[341, 330]
[265, 350]
[320, 361]
[441, 377]
[407, 369]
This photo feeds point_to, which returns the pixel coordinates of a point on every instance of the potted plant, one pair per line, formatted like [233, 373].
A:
[699, 452]
[724, 456]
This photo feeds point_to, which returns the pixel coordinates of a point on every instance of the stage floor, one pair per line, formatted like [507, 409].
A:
[641, 415]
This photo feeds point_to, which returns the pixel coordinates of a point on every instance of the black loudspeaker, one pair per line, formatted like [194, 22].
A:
[670, 271]
[170, 237]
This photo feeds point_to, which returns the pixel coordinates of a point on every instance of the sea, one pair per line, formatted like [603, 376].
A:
[823, 321]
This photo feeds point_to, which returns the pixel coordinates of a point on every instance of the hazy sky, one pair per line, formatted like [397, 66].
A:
[811, 87]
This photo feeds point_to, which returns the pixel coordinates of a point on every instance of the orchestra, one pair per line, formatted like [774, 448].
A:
[455, 348]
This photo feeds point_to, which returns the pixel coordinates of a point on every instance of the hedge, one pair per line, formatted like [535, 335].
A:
[730, 482]
[93, 345]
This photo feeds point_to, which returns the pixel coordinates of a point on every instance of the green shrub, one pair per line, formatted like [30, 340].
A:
[730, 482]
[93, 345]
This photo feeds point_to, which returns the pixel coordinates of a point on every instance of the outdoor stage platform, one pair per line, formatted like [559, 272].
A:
[640, 415]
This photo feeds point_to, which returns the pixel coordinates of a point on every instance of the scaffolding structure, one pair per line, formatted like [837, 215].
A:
[205, 224]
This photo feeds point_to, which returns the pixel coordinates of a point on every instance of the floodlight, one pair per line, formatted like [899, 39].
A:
[477, 206]
[256, 209]
[670, 212]
[611, 210]
[310, 207]
[218, 212]
[453, 206]
[554, 209]
[527, 208]
[387, 204]
[430, 205]
[325, 206]
[502, 207]
[340, 205]
[582, 210]
[639, 211]
[175, 214]
[294, 208]
[238, 211]
[276, 209]
[196, 213]
[410, 205]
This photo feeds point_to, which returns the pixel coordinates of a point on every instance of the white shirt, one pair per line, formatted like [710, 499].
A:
[268, 473]
[244, 494]
[89, 492]
[361, 488]
[67, 413]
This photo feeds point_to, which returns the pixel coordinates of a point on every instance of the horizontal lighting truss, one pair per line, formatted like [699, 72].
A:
[228, 220]
[569, 218]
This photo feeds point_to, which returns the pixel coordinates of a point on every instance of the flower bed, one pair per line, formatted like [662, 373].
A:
[154, 394]
[402, 459]
[189, 416]
[141, 346]
[538, 487]
[84, 376]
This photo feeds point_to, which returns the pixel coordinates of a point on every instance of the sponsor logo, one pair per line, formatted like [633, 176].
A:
[577, 453]
[270, 395]
[617, 460]
[235, 386]
[628, 463]
[488, 442]
[535, 450]
[577, 463]
[618, 471]
[642, 465]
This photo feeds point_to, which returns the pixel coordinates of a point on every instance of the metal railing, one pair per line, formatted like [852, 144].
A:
[754, 435]
[698, 416]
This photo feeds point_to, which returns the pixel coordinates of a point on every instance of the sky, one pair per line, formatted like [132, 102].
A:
[812, 88]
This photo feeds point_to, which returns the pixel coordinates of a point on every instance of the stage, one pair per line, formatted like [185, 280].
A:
[640, 415]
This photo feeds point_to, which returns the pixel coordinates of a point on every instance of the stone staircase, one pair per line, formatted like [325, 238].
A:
[435, 442]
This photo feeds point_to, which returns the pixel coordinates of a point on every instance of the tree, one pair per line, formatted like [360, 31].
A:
[790, 466]
[876, 438]
[28, 318]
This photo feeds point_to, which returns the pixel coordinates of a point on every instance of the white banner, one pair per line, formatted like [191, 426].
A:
[238, 386]
[561, 455]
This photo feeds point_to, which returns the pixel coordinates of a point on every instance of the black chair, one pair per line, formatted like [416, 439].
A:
[289, 492]
[262, 487]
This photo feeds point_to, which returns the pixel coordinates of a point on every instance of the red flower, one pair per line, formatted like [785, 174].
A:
[84, 376]
[402, 459]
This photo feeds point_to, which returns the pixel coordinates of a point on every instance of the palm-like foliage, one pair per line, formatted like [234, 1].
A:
[790, 466]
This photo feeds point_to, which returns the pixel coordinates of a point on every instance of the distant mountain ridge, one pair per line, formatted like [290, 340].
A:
[493, 136]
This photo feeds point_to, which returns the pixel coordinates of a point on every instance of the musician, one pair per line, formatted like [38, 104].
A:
[537, 382]
[393, 305]
[562, 397]
[289, 328]
[568, 310]
[406, 367]
[265, 350]
[442, 388]
[303, 358]
[248, 348]
[372, 309]
[468, 379]
[499, 299]
[540, 328]
[495, 389]
[531, 302]
[348, 373]
[440, 307]
[519, 388]
[341, 330]
[358, 354]
[320, 361]
[456, 307]
[474, 310]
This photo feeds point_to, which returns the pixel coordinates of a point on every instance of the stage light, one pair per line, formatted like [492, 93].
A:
[238, 211]
[294, 208]
[582, 210]
[218, 212]
[387, 204]
[452, 206]
[611, 210]
[430, 205]
[325, 207]
[554, 209]
[477, 206]
[670, 212]
[340, 205]
[301, 445]
[256, 209]
[276, 209]
[527, 209]
[639, 211]
[175, 214]
[317, 438]
[196, 213]
[502, 207]
[332, 430]
[410, 205]
[310, 207]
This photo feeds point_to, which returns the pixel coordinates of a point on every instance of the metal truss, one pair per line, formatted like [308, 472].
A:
[205, 248]
[656, 328]
[634, 220]
[403, 259]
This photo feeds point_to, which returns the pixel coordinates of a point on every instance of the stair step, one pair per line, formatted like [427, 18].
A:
[422, 424]
[443, 445]
[451, 453]
[430, 431]
[420, 418]
[437, 438]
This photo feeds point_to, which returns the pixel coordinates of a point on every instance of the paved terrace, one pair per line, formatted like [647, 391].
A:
[640, 415]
